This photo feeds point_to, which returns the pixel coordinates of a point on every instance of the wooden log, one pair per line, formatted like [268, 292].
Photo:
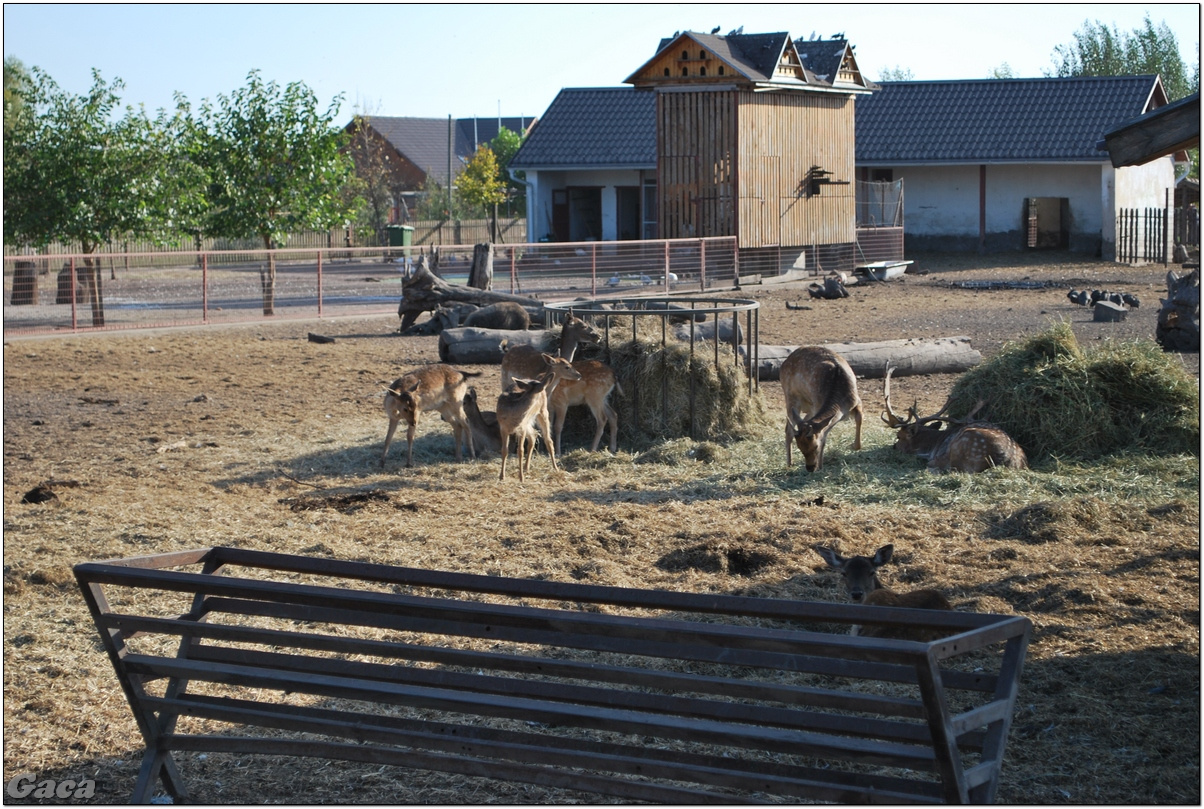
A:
[481, 274]
[423, 291]
[941, 355]
[472, 346]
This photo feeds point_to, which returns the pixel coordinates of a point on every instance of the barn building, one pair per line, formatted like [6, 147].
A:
[744, 135]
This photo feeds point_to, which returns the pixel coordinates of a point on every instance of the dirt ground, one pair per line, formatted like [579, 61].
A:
[174, 439]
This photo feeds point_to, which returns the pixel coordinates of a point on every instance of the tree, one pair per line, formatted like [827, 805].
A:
[1004, 71]
[74, 172]
[17, 86]
[897, 73]
[505, 145]
[275, 165]
[1100, 51]
[481, 185]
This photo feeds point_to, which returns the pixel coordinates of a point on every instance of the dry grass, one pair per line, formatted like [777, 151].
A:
[253, 436]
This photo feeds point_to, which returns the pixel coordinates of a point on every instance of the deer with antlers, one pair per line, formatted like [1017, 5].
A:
[820, 390]
[967, 445]
[864, 587]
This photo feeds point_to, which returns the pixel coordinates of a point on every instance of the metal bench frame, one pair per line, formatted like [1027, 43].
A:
[635, 694]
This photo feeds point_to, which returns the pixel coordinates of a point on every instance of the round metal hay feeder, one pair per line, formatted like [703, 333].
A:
[694, 311]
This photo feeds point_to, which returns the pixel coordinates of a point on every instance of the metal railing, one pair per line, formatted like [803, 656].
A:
[77, 293]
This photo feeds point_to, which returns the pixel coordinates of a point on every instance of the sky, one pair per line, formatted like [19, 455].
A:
[485, 60]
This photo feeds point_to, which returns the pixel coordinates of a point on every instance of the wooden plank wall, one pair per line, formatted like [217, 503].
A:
[781, 136]
[696, 160]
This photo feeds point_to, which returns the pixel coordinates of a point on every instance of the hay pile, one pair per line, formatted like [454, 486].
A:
[1059, 401]
[670, 393]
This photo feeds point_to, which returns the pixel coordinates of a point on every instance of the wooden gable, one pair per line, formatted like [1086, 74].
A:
[687, 60]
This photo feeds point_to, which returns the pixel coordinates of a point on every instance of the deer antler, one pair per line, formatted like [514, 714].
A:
[892, 418]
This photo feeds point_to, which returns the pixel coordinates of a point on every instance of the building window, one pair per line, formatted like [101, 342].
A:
[685, 71]
[685, 54]
[702, 54]
[721, 70]
[702, 71]
[666, 71]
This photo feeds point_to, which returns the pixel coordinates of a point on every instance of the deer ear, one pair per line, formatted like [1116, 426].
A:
[830, 556]
[883, 555]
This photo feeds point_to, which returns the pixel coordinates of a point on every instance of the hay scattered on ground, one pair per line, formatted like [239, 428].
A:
[1058, 400]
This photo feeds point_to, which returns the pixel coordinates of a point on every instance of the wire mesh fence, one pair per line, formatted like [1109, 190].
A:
[74, 293]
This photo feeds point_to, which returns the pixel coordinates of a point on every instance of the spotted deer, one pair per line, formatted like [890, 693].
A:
[526, 362]
[965, 445]
[592, 390]
[820, 390]
[524, 404]
[864, 587]
[435, 387]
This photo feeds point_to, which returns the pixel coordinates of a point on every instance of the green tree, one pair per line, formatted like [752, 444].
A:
[1004, 71]
[275, 165]
[17, 87]
[1152, 49]
[75, 172]
[505, 145]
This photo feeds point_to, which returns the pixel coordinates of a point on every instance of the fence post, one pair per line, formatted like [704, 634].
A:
[204, 287]
[74, 311]
[593, 269]
[702, 268]
[1166, 218]
[319, 283]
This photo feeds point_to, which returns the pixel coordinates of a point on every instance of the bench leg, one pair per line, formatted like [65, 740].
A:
[156, 765]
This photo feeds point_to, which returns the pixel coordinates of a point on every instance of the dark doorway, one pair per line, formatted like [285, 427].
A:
[560, 215]
[1048, 222]
[585, 214]
[628, 212]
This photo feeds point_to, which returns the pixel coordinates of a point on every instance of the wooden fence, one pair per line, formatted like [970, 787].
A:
[1187, 227]
[1143, 236]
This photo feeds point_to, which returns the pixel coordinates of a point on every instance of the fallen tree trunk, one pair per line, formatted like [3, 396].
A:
[942, 355]
[472, 346]
[423, 291]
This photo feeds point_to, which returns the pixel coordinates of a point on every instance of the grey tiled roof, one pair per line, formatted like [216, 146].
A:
[423, 141]
[1022, 120]
[822, 57]
[600, 127]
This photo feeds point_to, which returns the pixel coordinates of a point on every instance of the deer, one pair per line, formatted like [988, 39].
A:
[435, 387]
[864, 587]
[958, 446]
[821, 390]
[592, 390]
[484, 424]
[525, 362]
[525, 403]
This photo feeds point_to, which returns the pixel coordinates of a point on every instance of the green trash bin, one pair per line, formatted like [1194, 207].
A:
[401, 235]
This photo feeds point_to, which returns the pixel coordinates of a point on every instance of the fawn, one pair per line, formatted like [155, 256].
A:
[435, 387]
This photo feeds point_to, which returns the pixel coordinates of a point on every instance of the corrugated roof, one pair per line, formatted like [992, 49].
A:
[602, 127]
[423, 141]
[1022, 120]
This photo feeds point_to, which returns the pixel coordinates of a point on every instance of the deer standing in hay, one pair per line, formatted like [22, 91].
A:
[524, 404]
[435, 387]
[965, 446]
[864, 587]
[820, 390]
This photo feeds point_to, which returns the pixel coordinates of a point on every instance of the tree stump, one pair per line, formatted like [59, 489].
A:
[63, 293]
[481, 274]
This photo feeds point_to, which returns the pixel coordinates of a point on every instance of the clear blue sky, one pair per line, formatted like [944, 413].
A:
[512, 59]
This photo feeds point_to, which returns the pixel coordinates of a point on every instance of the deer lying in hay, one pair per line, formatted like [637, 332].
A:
[949, 445]
[864, 587]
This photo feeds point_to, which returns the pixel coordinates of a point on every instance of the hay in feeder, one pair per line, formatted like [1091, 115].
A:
[1058, 400]
[671, 392]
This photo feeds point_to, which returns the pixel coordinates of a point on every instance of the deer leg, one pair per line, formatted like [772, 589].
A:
[857, 420]
[613, 418]
[558, 426]
[601, 418]
[505, 452]
[388, 440]
[410, 428]
[545, 429]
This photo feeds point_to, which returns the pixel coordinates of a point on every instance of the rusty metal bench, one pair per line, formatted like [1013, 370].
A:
[634, 694]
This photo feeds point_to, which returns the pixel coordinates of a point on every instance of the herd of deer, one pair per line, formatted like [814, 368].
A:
[820, 390]
[537, 391]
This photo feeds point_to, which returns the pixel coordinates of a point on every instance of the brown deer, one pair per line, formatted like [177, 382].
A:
[526, 403]
[593, 391]
[526, 362]
[435, 387]
[967, 445]
[483, 424]
[820, 390]
[864, 587]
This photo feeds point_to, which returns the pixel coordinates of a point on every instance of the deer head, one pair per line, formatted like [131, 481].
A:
[860, 572]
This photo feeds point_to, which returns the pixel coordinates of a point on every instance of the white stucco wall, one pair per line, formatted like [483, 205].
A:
[1144, 186]
[540, 185]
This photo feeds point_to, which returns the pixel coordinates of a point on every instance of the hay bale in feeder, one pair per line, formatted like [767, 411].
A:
[667, 393]
[1058, 401]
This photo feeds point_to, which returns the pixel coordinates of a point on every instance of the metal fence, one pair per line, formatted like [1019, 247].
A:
[64, 294]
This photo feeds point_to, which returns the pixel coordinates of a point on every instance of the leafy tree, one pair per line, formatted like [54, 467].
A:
[1101, 51]
[1004, 71]
[505, 145]
[275, 165]
[897, 73]
[17, 87]
[481, 184]
[75, 172]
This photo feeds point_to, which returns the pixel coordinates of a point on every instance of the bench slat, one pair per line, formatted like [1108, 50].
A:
[481, 742]
[891, 754]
